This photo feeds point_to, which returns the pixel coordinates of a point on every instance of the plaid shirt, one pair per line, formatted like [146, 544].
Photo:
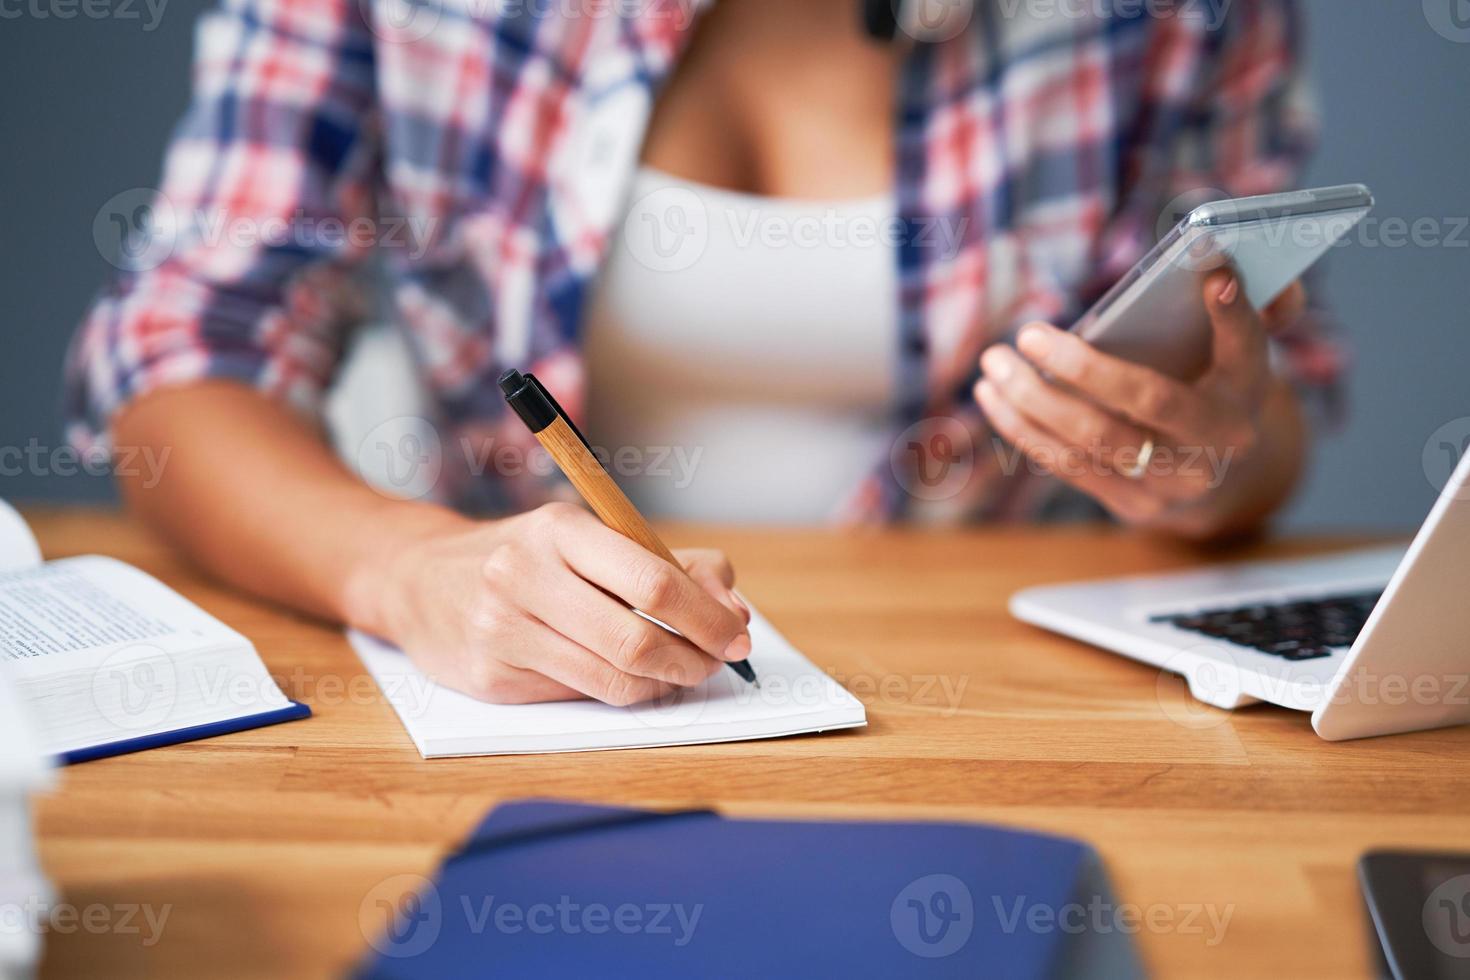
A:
[482, 151]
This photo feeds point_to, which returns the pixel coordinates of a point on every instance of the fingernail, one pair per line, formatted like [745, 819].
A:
[739, 648]
[1231, 290]
[997, 363]
[1035, 342]
[740, 604]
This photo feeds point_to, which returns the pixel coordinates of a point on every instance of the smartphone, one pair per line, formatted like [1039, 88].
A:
[1156, 315]
[1418, 913]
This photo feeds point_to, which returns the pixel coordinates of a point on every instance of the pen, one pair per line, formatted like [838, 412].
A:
[573, 454]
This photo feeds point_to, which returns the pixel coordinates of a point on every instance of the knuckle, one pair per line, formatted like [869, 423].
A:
[634, 645]
[549, 517]
[657, 586]
[1158, 401]
[503, 564]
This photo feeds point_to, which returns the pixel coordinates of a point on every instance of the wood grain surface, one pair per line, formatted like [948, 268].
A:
[269, 848]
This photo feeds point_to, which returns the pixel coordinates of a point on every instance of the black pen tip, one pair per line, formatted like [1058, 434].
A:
[745, 670]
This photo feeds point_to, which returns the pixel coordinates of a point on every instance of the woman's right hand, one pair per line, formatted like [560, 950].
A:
[536, 608]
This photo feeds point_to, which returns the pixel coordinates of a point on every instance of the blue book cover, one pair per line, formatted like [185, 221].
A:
[555, 889]
[293, 711]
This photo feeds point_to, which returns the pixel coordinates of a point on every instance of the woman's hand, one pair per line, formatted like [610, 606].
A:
[1227, 447]
[536, 608]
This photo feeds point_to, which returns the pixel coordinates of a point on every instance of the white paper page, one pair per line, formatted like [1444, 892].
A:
[794, 696]
[18, 547]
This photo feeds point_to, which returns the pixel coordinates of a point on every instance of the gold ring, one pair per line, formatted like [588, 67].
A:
[1140, 465]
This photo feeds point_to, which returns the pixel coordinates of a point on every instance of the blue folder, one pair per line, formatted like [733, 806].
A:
[555, 889]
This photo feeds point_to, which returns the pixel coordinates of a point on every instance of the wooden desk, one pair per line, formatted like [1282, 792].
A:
[266, 842]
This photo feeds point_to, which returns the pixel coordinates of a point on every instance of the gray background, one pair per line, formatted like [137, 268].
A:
[88, 101]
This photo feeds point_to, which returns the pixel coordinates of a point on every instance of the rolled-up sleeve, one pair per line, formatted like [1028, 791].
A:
[240, 265]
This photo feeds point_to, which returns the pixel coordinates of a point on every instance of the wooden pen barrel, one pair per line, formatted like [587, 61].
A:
[596, 486]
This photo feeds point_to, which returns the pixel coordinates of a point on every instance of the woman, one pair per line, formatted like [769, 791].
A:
[556, 162]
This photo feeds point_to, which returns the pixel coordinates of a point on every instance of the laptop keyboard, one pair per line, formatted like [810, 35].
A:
[1299, 630]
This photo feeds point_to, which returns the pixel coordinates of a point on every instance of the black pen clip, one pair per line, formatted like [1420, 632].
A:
[561, 412]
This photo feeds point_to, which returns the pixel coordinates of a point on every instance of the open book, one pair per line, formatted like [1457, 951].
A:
[794, 697]
[111, 660]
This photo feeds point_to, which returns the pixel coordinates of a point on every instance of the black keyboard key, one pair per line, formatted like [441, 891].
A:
[1307, 653]
[1295, 631]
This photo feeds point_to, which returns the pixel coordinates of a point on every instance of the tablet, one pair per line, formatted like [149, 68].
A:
[1156, 315]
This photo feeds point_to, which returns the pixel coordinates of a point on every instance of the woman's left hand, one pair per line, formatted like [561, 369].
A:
[1092, 429]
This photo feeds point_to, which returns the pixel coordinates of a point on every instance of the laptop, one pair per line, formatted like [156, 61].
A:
[1371, 642]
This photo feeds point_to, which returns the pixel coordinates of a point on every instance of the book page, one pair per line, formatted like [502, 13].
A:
[794, 696]
[139, 690]
[18, 548]
[92, 603]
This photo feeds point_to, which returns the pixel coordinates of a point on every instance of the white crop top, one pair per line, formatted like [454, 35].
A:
[741, 351]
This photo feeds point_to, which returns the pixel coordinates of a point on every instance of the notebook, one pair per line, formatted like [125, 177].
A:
[794, 697]
[563, 890]
[111, 660]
